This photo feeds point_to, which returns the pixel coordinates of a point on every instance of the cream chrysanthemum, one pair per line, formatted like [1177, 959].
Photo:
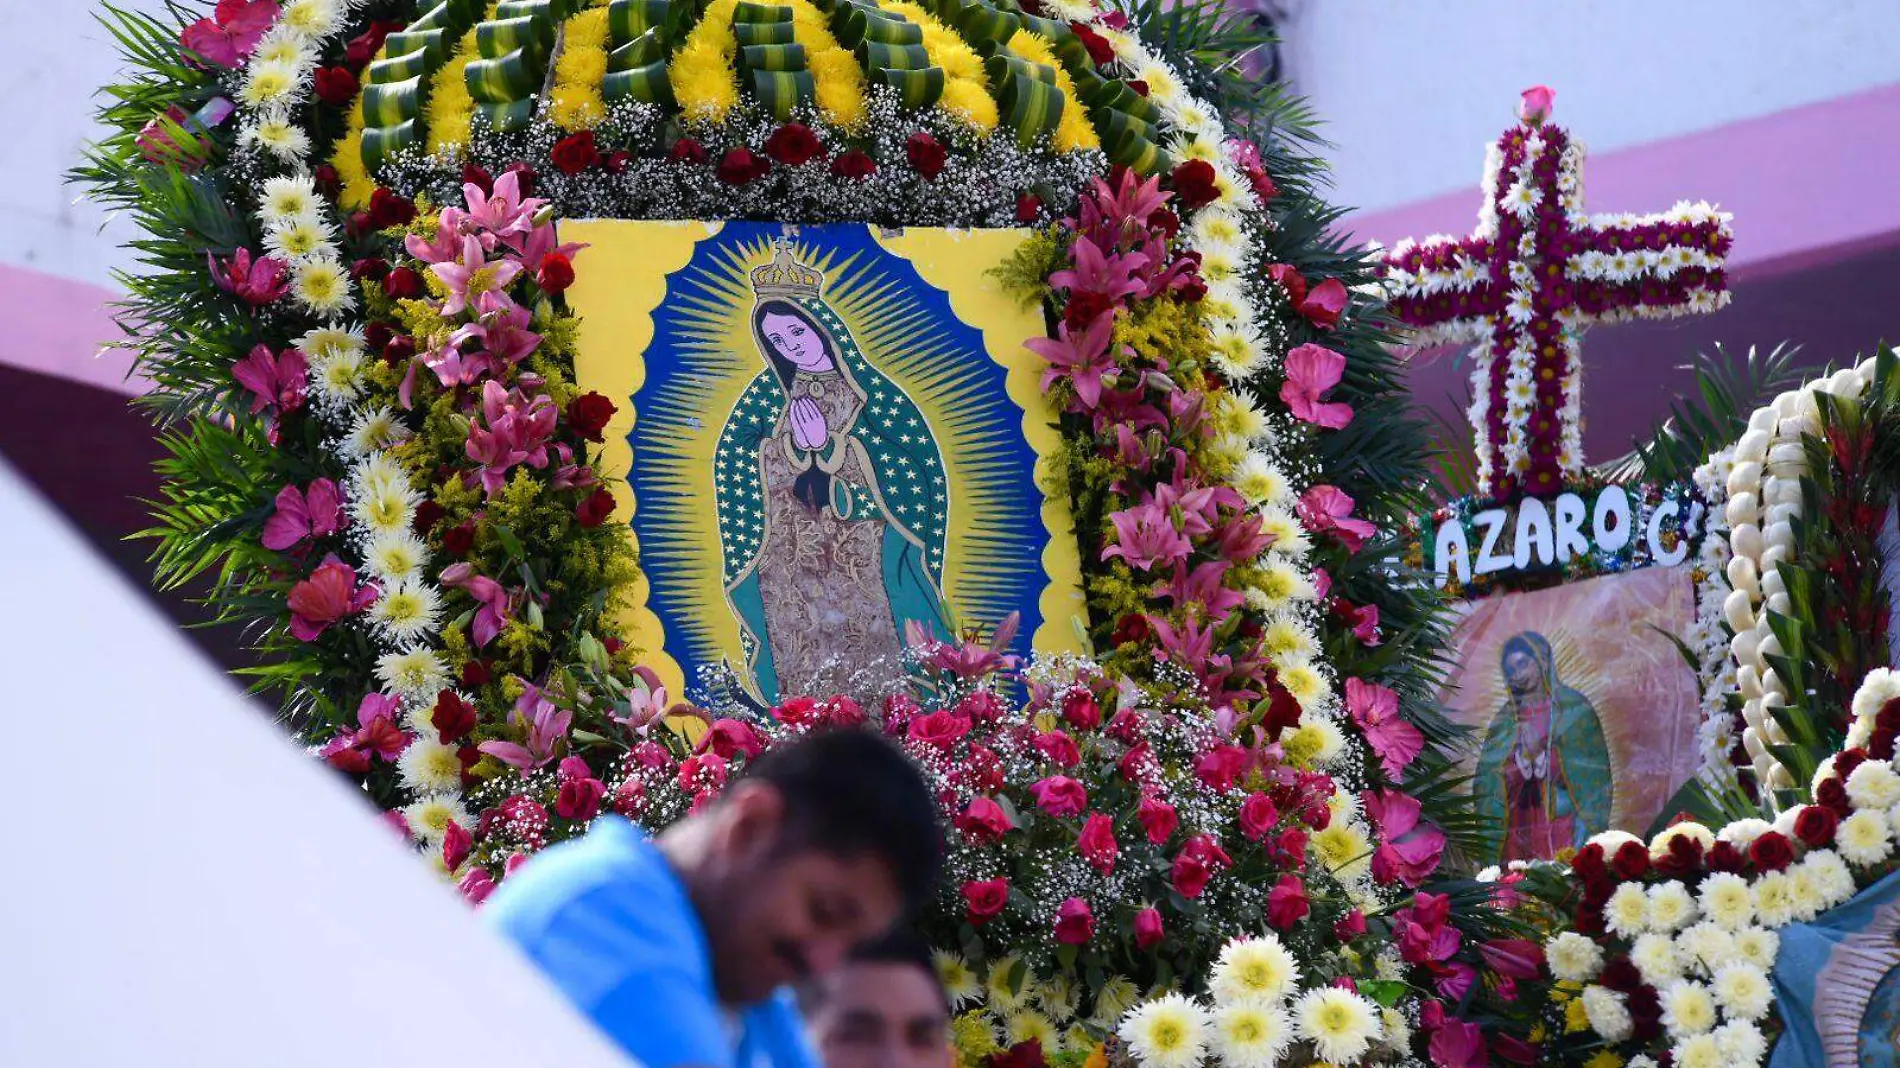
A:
[1606, 1013]
[1874, 785]
[1706, 945]
[1743, 990]
[1741, 1043]
[273, 132]
[1725, 899]
[1573, 957]
[1028, 1025]
[429, 816]
[327, 341]
[1344, 849]
[287, 200]
[429, 767]
[1251, 1034]
[1688, 1008]
[408, 611]
[396, 556]
[1655, 956]
[373, 430]
[1670, 906]
[1254, 968]
[1168, 1032]
[268, 83]
[1289, 534]
[1627, 912]
[1008, 984]
[1757, 946]
[1698, 1051]
[1258, 480]
[1865, 838]
[1113, 1001]
[323, 286]
[959, 981]
[337, 377]
[1340, 1024]
[417, 674]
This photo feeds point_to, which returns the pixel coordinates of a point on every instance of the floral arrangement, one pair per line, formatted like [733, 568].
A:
[381, 463]
[1498, 287]
[1719, 730]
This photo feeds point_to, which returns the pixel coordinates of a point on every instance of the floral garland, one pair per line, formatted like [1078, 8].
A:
[1718, 730]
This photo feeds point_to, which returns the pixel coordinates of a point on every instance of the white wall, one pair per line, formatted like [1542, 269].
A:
[1412, 91]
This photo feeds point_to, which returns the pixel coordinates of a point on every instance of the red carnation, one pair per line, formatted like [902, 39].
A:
[588, 415]
[1058, 748]
[1075, 924]
[399, 350]
[855, 163]
[575, 152]
[1197, 863]
[687, 150]
[428, 514]
[926, 154]
[555, 274]
[1028, 206]
[1631, 861]
[1771, 852]
[475, 673]
[594, 511]
[1815, 826]
[336, 86]
[1195, 183]
[618, 161]
[403, 284]
[1080, 711]
[1149, 932]
[740, 166]
[1060, 796]
[983, 821]
[793, 144]
[983, 900]
[373, 268]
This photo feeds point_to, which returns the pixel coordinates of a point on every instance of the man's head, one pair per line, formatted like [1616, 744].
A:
[885, 1008]
[826, 842]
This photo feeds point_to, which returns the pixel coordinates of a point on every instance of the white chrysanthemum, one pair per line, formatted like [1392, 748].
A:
[1254, 968]
[1573, 957]
[1113, 1001]
[1805, 893]
[1340, 1024]
[1028, 1025]
[1865, 838]
[1001, 995]
[1671, 907]
[1656, 957]
[268, 83]
[323, 286]
[1742, 833]
[288, 200]
[1287, 635]
[373, 430]
[1742, 1043]
[1398, 1030]
[311, 18]
[274, 133]
[1213, 228]
[1726, 900]
[1306, 682]
[1279, 583]
[1251, 1034]
[1876, 689]
[1318, 739]
[1743, 990]
[1168, 1032]
[1688, 1008]
[429, 767]
[1833, 880]
[1259, 480]
[1244, 417]
[1706, 945]
[1757, 946]
[1611, 840]
[284, 48]
[1344, 849]
[337, 377]
[407, 611]
[429, 817]
[416, 673]
[396, 556]
[378, 473]
[1627, 911]
[1239, 350]
[959, 981]
[1698, 1051]
[1694, 832]
[1874, 785]
[1774, 899]
[327, 341]
[1606, 1012]
[1289, 534]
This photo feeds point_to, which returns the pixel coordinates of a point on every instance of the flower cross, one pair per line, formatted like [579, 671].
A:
[1535, 274]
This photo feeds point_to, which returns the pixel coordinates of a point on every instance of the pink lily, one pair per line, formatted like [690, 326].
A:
[257, 283]
[1110, 215]
[540, 243]
[1109, 275]
[444, 248]
[517, 432]
[1375, 710]
[546, 727]
[1127, 406]
[1312, 370]
[967, 659]
[1241, 539]
[277, 383]
[458, 276]
[502, 212]
[231, 34]
[316, 512]
[1328, 509]
[1192, 646]
[1145, 536]
[1409, 851]
[496, 604]
[1083, 360]
[327, 596]
[1204, 587]
[645, 707]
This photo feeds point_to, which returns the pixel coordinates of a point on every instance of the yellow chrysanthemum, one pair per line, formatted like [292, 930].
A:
[1073, 131]
[575, 102]
[703, 79]
[451, 110]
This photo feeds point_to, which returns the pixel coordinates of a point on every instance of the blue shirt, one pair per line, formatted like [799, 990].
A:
[609, 922]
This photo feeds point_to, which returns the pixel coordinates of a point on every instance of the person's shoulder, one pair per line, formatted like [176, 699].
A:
[612, 887]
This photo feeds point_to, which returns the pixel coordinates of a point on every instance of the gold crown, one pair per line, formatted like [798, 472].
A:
[786, 277]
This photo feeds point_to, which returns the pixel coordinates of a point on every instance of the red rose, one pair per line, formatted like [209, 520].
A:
[459, 539]
[1148, 929]
[477, 175]
[702, 771]
[328, 181]
[1075, 924]
[926, 155]
[983, 821]
[1832, 793]
[983, 900]
[1060, 796]
[1058, 748]
[364, 46]
[1138, 85]
[854, 163]
[985, 768]
[555, 274]
[457, 843]
[1683, 860]
[1125, 727]
[1257, 816]
[579, 798]
[526, 179]
[1080, 711]
[594, 511]
[575, 152]
[939, 729]
[618, 161]
[1287, 903]
[1168, 223]
[588, 415]
[336, 86]
[740, 166]
[630, 799]
[1028, 206]
[1138, 765]
[1771, 852]
[1724, 857]
[1291, 845]
[1195, 183]
[1220, 767]
[428, 514]
[1158, 818]
[1588, 863]
[403, 284]
[453, 718]
[1097, 842]
[793, 144]
[374, 269]
[1197, 863]
[388, 208]
[731, 737]
[1100, 51]
[687, 150]
[1815, 826]
[475, 673]
[1350, 926]
[1631, 861]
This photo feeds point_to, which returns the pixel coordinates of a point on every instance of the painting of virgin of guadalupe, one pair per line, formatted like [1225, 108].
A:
[836, 486]
[1544, 770]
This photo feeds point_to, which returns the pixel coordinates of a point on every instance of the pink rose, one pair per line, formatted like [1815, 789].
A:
[1058, 748]
[580, 793]
[1197, 863]
[1075, 924]
[1535, 104]
[704, 771]
[1221, 767]
[1080, 711]
[1097, 842]
[983, 821]
[983, 900]
[1350, 926]
[1148, 930]
[1257, 816]
[939, 729]
[1060, 796]
[1287, 903]
[1158, 819]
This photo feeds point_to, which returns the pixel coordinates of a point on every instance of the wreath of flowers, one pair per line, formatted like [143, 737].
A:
[381, 462]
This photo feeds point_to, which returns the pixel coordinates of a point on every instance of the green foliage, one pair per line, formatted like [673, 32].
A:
[1727, 389]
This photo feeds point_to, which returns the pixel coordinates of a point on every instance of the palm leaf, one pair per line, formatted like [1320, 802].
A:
[1728, 389]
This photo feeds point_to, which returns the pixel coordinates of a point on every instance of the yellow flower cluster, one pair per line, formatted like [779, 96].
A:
[347, 158]
[966, 89]
[1073, 131]
[575, 102]
[450, 110]
[706, 82]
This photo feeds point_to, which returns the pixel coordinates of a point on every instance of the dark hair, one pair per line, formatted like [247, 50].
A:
[850, 792]
[812, 487]
[902, 946]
